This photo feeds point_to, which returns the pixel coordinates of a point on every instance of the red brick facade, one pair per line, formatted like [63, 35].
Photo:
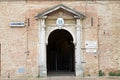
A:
[19, 46]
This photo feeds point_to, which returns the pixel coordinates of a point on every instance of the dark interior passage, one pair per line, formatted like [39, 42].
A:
[60, 51]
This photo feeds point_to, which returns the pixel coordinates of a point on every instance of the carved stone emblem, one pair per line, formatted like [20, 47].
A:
[60, 22]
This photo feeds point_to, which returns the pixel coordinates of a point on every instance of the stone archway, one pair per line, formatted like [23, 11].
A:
[60, 52]
[73, 23]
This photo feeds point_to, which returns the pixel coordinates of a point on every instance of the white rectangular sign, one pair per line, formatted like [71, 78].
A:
[17, 24]
[91, 50]
[90, 44]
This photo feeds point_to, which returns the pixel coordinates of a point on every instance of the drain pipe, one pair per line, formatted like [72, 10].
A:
[98, 50]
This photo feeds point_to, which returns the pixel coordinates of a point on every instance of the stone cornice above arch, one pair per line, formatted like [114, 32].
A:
[61, 6]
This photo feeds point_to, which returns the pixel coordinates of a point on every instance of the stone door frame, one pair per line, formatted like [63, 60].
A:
[42, 48]
[42, 68]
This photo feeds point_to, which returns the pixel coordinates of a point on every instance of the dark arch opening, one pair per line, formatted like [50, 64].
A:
[60, 51]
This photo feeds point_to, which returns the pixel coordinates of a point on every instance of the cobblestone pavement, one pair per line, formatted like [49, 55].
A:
[69, 78]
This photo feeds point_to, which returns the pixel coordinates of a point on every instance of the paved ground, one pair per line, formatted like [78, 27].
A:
[77, 78]
[70, 78]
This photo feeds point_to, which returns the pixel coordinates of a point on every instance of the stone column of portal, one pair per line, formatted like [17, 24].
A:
[78, 65]
[42, 50]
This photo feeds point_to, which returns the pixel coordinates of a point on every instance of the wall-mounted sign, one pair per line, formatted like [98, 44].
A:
[90, 44]
[91, 50]
[60, 22]
[17, 24]
[21, 70]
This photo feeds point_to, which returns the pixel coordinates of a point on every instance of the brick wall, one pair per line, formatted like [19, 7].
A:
[16, 42]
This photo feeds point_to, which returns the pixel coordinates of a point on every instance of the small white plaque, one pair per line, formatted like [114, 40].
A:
[17, 24]
[91, 50]
[90, 44]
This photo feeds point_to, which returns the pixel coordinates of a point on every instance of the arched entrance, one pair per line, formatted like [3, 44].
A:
[60, 52]
[60, 42]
